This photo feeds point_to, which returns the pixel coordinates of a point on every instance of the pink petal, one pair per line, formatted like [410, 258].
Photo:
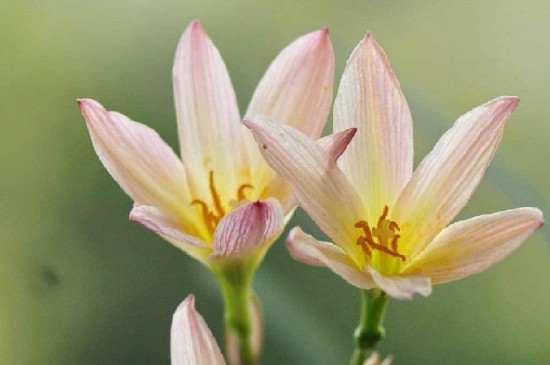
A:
[297, 88]
[379, 160]
[306, 249]
[335, 144]
[401, 287]
[208, 117]
[446, 178]
[137, 158]
[248, 228]
[152, 219]
[319, 186]
[192, 342]
[471, 246]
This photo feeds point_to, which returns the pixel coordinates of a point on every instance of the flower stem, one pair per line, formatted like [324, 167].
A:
[240, 314]
[370, 330]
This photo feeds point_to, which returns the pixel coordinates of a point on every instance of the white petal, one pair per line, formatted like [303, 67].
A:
[191, 341]
[446, 178]
[401, 287]
[470, 246]
[137, 158]
[306, 249]
[297, 88]
[208, 117]
[154, 220]
[379, 160]
[319, 186]
[248, 227]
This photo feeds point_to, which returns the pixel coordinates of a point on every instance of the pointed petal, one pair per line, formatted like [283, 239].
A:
[379, 160]
[191, 341]
[208, 117]
[319, 186]
[306, 249]
[152, 219]
[248, 227]
[401, 287]
[446, 178]
[335, 144]
[471, 246]
[297, 88]
[137, 158]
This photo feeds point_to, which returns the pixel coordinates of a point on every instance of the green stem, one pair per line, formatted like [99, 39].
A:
[370, 330]
[237, 295]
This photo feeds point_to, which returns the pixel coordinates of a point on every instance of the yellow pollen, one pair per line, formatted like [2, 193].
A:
[386, 234]
[212, 216]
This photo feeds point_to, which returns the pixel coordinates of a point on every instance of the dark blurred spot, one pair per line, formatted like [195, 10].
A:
[49, 276]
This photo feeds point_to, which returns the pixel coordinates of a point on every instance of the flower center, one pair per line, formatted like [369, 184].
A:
[383, 237]
[212, 215]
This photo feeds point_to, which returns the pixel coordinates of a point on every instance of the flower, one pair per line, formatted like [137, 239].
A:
[221, 199]
[374, 359]
[390, 225]
[191, 341]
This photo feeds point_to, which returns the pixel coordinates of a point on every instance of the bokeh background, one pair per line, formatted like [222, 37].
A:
[79, 284]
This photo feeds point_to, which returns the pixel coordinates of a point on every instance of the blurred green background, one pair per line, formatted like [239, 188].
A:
[79, 284]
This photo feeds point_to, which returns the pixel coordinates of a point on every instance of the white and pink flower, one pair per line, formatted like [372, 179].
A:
[390, 225]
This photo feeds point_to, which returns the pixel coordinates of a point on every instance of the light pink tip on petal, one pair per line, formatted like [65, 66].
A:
[248, 228]
[401, 287]
[192, 342]
[297, 87]
[136, 157]
[335, 144]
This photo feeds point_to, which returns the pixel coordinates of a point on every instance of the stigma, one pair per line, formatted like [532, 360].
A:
[383, 237]
[213, 214]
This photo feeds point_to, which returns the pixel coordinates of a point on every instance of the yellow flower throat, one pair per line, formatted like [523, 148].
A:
[383, 237]
[212, 216]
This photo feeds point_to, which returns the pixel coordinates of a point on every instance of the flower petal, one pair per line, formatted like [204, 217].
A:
[446, 178]
[137, 158]
[319, 186]
[307, 249]
[379, 160]
[191, 341]
[297, 87]
[152, 219]
[296, 90]
[401, 287]
[248, 227]
[208, 116]
[335, 144]
[471, 246]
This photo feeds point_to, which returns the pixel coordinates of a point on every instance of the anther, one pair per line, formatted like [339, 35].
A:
[240, 192]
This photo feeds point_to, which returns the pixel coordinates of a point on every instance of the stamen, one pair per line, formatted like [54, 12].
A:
[383, 216]
[384, 231]
[240, 192]
[216, 196]
[209, 218]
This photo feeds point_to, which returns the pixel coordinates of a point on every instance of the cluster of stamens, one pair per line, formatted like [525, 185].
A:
[386, 233]
[211, 217]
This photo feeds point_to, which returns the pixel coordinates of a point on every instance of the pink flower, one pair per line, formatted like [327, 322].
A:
[220, 199]
[390, 225]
